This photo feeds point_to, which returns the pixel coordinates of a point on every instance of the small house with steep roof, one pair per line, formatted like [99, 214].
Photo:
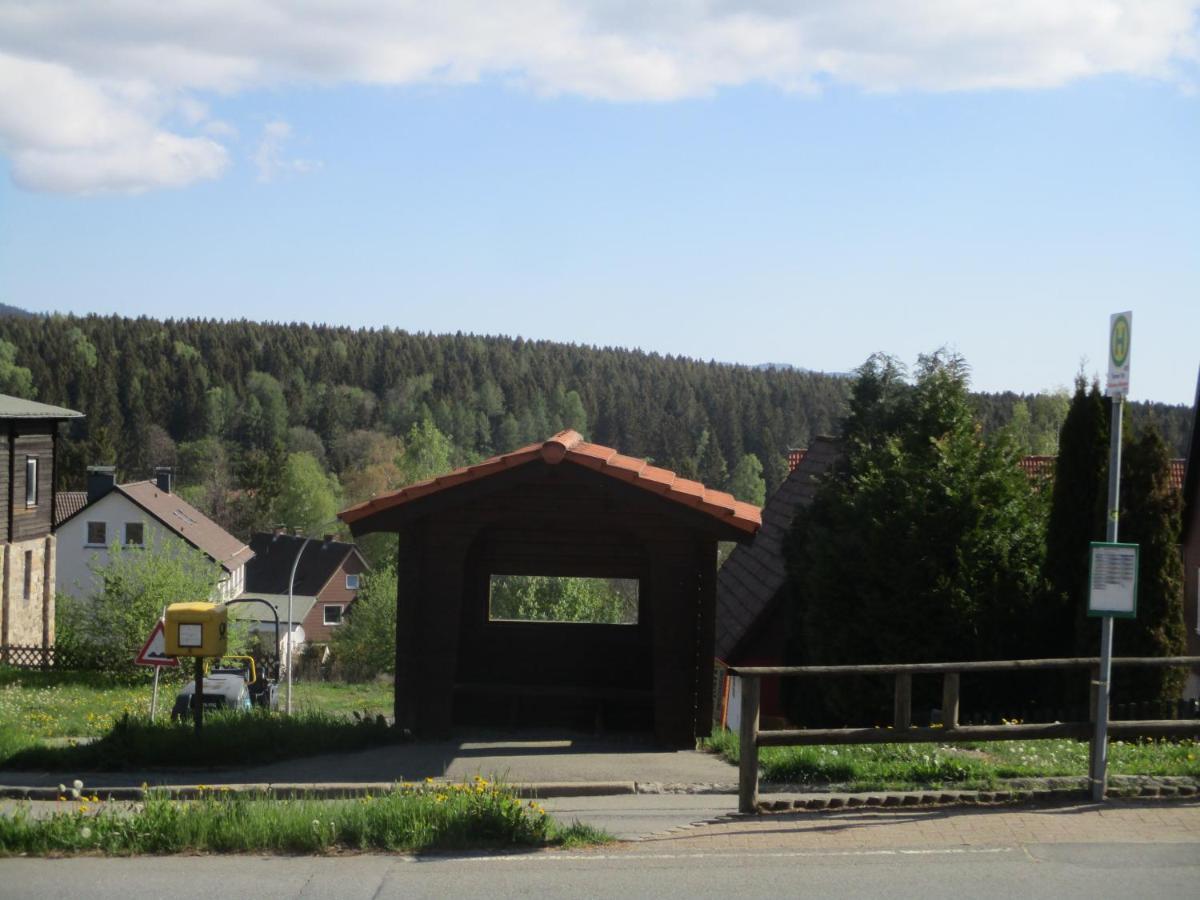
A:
[564, 508]
[135, 515]
[328, 574]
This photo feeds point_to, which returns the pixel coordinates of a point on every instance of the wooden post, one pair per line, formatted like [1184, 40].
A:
[950, 700]
[902, 719]
[748, 750]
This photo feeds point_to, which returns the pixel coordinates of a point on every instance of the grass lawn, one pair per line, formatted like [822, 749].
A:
[35, 706]
[86, 704]
[900, 766]
[411, 817]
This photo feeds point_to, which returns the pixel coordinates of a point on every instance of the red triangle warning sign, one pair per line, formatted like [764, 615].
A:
[154, 651]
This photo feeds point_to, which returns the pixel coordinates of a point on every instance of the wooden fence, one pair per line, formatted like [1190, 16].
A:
[903, 731]
[21, 656]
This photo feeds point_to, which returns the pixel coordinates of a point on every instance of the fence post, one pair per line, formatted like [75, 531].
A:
[748, 749]
[902, 719]
[950, 700]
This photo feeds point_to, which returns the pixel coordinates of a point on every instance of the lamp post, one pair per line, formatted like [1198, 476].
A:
[291, 624]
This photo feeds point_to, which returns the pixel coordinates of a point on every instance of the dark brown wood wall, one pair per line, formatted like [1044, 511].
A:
[6, 494]
[31, 439]
[557, 520]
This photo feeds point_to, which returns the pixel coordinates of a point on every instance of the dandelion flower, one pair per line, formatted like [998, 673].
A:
[77, 784]
[85, 832]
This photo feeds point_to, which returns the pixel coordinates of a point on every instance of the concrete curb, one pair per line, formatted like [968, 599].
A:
[316, 791]
[1051, 790]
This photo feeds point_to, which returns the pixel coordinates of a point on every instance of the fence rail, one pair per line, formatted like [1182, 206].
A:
[902, 729]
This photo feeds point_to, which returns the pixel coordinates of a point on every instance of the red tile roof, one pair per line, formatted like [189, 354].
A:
[1178, 467]
[570, 447]
[1042, 468]
[1038, 467]
[66, 504]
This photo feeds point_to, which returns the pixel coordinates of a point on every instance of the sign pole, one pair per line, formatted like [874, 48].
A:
[154, 695]
[1099, 765]
[1119, 343]
[157, 669]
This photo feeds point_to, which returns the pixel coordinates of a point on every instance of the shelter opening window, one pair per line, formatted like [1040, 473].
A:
[555, 598]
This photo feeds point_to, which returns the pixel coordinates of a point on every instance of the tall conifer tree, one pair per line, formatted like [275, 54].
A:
[1076, 517]
[1151, 518]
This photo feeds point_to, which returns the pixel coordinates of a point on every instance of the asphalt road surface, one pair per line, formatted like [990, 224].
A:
[1060, 870]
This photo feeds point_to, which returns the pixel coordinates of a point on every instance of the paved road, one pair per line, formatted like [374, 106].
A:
[1062, 852]
[1060, 871]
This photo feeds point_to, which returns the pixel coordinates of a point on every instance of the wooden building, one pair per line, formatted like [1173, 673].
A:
[752, 587]
[27, 467]
[565, 508]
[1191, 547]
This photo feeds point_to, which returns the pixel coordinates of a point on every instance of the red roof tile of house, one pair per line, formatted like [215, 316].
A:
[570, 447]
[1042, 467]
[1038, 467]
[1178, 468]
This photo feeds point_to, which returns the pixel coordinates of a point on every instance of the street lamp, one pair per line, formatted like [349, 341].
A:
[291, 624]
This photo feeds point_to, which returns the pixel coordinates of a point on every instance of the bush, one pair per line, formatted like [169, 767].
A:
[365, 644]
[106, 631]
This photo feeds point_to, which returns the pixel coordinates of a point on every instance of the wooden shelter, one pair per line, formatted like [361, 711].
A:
[569, 508]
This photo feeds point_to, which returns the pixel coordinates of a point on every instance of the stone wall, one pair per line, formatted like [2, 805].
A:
[27, 593]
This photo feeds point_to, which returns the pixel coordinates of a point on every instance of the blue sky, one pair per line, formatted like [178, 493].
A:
[718, 204]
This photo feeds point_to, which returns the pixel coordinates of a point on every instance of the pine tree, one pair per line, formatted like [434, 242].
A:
[1151, 518]
[925, 544]
[1076, 519]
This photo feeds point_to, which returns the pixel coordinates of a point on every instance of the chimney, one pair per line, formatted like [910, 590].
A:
[163, 476]
[100, 480]
[328, 538]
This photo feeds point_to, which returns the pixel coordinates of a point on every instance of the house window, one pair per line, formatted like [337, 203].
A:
[97, 535]
[134, 533]
[31, 481]
[554, 598]
[352, 582]
[333, 614]
[28, 574]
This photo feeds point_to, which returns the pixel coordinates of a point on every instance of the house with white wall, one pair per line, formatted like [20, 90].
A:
[134, 515]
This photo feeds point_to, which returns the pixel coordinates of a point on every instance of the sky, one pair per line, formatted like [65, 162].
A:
[749, 181]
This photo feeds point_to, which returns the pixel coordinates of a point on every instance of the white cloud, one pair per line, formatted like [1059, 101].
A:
[65, 134]
[133, 61]
[269, 156]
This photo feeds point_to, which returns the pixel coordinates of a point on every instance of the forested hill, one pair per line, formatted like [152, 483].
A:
[197, 379]
[231, 404]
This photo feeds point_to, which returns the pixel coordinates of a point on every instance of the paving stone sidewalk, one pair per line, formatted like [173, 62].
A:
[1118, 822]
